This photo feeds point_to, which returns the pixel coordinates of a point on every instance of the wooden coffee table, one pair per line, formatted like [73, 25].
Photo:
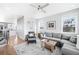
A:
[49, 44]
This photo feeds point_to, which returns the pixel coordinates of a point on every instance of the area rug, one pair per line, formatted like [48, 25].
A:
[31, 49]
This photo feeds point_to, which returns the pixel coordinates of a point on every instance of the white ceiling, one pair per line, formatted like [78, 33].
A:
[16, 9]
[57, 8]
[12, 10]
[41, 4]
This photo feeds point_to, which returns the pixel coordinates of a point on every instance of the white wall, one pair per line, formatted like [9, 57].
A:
[43, 23]
[29, 25]
[20, 27]
[58, 18]
[12, 20]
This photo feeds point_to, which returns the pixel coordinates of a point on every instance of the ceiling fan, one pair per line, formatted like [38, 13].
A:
[40, 6]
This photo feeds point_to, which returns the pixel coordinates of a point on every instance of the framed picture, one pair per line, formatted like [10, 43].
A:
[69, 24]
[51, 25]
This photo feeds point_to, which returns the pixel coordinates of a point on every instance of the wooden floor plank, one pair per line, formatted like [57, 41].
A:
[9, 48]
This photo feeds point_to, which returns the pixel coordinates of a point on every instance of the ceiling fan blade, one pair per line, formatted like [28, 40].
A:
[44, 6]
[43, 10]
[33, 6]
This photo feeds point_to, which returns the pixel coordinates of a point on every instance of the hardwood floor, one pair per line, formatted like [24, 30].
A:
[9, 48]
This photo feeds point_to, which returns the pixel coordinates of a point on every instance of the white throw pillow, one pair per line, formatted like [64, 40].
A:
[31, 35]
[72, 39]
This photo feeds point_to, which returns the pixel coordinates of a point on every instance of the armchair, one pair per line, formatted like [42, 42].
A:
[30, 37]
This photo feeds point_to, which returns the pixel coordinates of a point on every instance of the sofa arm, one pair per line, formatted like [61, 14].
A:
[70, 50]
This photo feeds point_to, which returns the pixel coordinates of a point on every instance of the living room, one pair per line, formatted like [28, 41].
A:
[39, 29]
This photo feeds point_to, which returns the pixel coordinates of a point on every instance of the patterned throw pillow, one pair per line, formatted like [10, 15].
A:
[73, 39]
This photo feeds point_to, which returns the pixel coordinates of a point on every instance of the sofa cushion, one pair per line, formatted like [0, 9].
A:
[65, 37]
[32, 39]
[70, 50]
[48, 34]
[31, 36]
[68, 42]
[57, 35]
[56, 39]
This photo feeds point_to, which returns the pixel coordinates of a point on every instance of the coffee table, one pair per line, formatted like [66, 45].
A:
[49, 44]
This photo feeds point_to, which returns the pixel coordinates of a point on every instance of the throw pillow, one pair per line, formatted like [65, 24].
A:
[73, 39]
[31, 35]
[1, 39]
[65, 37]
[48, 34]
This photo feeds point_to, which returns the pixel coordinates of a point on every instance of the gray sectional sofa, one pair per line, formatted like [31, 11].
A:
[69, 42]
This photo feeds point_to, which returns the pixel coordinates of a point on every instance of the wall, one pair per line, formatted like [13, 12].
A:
[58, 18]
[29, 25]
[20, 27]
[43, 23]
